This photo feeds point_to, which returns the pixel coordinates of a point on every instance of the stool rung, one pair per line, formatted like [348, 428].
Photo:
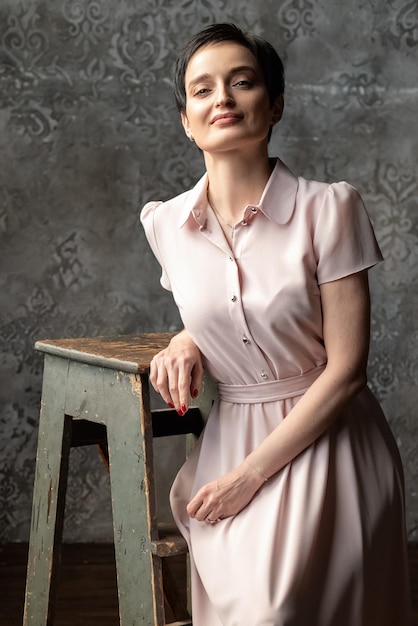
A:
[169, 546]
[166, 422]
[170, 542]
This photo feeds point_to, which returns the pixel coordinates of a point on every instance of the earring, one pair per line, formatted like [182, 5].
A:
[191, 137]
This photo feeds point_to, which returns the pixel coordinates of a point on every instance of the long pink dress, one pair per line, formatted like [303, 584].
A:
[323, 542]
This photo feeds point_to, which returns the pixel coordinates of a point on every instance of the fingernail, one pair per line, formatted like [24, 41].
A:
[195, 394]
[181, 413]
[183, 408]
[170, 405]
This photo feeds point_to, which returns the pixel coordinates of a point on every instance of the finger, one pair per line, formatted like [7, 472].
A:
[179, 376]
[189, 380]
[205, 503]
[212, 521]
[198, 507]
[173, 391]
[196, 380]
[153, 374]
[176, 381]
[159, 378]
[156, 375]
[193, 506]
[183, 390]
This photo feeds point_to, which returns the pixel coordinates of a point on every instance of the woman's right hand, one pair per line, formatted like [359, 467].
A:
[176, 372]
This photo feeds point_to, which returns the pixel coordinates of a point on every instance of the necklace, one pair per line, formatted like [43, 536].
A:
[220, 215]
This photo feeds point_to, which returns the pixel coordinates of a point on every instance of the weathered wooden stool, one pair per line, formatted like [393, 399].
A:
[97, 391]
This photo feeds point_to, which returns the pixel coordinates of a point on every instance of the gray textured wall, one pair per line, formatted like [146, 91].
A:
[89, 133]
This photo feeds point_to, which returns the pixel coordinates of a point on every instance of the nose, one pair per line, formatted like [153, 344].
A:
[223, 96]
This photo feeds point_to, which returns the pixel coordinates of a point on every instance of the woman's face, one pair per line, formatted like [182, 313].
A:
[227, 102]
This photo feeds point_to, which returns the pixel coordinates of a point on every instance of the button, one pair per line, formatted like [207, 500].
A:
[264, 375]
[234, 298]
[244, 223]
[253, 209]
[245, 340]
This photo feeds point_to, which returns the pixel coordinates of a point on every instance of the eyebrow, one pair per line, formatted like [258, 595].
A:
[234, 70]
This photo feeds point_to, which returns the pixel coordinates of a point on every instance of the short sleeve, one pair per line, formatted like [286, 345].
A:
[147, 217]
[344, 240]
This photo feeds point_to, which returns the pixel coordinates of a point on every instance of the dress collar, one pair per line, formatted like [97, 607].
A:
[196, 203]
[277, 201]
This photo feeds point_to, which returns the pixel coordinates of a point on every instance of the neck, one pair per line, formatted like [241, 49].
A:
[236, 182]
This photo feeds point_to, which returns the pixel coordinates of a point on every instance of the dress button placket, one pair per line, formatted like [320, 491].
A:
[237, 314]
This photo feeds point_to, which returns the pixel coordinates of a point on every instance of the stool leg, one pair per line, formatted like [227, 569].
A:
[47, 520]
[129, 432]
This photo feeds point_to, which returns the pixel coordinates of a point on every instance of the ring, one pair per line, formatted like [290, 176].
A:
[213, 521]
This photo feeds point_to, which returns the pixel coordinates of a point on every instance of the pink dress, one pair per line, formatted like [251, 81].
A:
[323, 541]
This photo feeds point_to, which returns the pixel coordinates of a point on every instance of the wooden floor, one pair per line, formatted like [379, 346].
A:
[87, 592]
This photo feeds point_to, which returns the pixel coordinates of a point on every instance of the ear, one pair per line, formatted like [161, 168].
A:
[186, 125]
[277, 109]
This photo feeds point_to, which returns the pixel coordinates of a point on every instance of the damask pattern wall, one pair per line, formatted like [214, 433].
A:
[89, 133]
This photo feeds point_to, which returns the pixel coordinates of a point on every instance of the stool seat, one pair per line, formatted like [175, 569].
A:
[96, 391]
[126, 353]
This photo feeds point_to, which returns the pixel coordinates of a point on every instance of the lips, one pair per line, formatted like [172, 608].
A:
[226, 117]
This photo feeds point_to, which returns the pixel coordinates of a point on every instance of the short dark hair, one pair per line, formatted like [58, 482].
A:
[267, 57]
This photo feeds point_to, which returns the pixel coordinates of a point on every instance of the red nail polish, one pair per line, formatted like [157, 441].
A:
[170, 405]
[181, 413]
[195, 394]
[183, 408]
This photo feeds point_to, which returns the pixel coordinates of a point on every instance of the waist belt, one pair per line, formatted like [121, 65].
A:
[269, 391]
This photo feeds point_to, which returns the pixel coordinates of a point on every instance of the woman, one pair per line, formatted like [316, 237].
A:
[292, 501]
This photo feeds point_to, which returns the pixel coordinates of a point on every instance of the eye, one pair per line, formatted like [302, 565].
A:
[243, 83]
[201, 92]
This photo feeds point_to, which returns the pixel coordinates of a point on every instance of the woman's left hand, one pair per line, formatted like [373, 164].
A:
[226, 496]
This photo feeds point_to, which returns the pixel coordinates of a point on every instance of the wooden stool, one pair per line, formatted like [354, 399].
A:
[97, 391]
